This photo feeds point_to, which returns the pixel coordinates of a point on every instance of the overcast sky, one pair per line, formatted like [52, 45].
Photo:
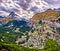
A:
[27, 8]
[53, 3]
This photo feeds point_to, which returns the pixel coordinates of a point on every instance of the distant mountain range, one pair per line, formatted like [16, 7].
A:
[10, 17]
[16, 23]
[12, 14]
[47, 15]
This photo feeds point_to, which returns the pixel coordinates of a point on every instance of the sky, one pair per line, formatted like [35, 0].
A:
[53, 3]
[27, 8]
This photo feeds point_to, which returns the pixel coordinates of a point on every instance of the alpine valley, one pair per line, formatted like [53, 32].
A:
[42, 28]
[29, 25]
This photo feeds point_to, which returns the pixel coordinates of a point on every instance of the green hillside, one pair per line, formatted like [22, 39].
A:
[50, 45]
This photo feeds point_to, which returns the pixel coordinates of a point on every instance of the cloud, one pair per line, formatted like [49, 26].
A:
[27, 8]
[53, 3]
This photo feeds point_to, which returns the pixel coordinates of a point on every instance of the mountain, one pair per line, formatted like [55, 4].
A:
[47, 15]
[12, 14]
[10, 17]
[58, 9]
[16, 23]
[17, 26]
[1, 16]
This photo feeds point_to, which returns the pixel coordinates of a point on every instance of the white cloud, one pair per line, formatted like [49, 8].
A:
[25, 8]
[53, 3]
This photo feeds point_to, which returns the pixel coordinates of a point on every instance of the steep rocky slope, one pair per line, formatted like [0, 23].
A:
[47, 15]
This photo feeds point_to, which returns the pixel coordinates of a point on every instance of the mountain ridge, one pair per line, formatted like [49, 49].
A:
[47, 15]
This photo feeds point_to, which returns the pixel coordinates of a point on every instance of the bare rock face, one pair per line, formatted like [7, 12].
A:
[47, 15]
[5, 20]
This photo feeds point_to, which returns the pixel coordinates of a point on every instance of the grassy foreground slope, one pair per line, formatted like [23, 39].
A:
[14, 47]
[50, 45]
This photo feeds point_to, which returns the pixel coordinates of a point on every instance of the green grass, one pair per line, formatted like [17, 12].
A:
[50, 45]
[14, 47]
